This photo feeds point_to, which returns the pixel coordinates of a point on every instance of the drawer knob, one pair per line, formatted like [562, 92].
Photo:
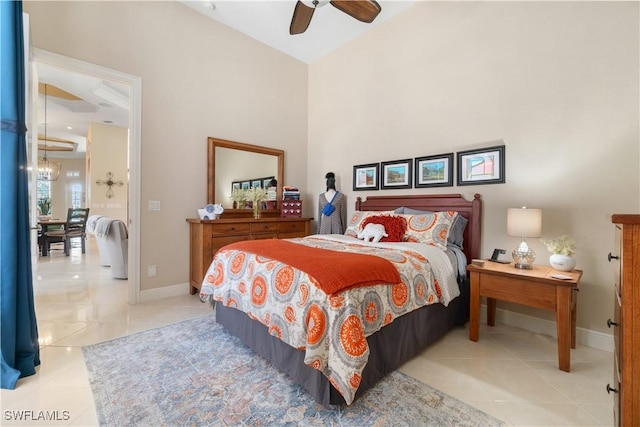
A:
[610, 323]
[610, 257]
[609, 389]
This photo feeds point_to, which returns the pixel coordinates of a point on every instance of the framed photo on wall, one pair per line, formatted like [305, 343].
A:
[434, 171]
[255, 183]
[365, 177]
[235, 185]
[266, 182]
[483, 166]
[245, 185]
[396, 174]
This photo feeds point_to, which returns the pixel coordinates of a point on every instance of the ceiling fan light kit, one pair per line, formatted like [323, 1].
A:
[362, 10]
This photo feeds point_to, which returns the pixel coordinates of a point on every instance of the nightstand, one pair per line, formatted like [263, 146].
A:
[533, 288]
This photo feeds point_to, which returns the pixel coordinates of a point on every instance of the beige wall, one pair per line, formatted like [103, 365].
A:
[107, 152]
[557, 83]
[199, 79]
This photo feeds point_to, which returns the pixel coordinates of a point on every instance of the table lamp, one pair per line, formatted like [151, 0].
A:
[523, 222]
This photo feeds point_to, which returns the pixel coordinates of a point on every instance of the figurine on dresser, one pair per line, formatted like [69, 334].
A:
[332, 209]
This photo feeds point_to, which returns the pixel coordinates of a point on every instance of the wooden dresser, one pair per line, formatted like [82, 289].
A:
[626, 321]
[207, 236]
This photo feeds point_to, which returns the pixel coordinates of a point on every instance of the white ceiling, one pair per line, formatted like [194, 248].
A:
[265, 20]
[269, 20]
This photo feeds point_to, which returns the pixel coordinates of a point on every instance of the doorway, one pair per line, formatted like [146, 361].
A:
[134, 85]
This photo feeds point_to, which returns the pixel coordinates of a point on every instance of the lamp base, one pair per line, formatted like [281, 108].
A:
[523, 256]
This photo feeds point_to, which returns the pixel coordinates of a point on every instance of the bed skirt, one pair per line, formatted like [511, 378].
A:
[390, 347]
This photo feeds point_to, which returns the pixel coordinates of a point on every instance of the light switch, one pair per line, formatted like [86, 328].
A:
[154, 205]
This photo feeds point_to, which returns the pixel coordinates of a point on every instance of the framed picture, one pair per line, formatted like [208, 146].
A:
[235, 185]
[365, 177]
[266, 182]
[434, 171]
[245, 185]
[484, 166]
[255, 183]
[396, 174]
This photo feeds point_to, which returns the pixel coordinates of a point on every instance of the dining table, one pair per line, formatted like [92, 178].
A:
[44, 225]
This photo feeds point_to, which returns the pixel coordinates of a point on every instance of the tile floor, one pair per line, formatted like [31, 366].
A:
[509, 373]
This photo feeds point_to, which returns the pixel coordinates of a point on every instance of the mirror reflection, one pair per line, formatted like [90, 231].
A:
[230, 162]
[245, 167]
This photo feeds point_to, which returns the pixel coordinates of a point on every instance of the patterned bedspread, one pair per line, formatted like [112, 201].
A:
[332, 330]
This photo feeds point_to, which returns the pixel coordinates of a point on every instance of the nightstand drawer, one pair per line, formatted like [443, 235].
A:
[519, 291]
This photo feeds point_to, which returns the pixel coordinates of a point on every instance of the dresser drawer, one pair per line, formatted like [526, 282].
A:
[218, 242]
[221, 229]
[617, 335]
[291, 227]
[617, 264]
[264, 227]
[616, 396]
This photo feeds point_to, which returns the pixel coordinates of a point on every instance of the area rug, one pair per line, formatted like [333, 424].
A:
[195, 373]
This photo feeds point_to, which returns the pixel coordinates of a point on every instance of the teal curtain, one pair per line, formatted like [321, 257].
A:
[19, 332]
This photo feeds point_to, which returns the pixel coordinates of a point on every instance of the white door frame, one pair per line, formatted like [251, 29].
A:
[135, 125]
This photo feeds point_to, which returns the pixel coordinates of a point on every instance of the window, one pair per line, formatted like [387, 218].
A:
[43, 190]
[76, 195]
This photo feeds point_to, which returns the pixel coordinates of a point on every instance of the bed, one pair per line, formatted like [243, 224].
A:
[321, 363]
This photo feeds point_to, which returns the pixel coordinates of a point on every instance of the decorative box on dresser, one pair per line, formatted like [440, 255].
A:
[626, 321]
[207, 236]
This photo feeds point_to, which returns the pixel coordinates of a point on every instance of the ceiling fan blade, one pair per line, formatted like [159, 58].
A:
[362, 10]
[301, 18]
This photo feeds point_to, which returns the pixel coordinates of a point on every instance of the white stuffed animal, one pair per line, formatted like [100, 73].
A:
[375, 231]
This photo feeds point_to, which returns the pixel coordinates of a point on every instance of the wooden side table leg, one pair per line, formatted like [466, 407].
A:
[474, 307]
[491, 311]
[563, 320]
[574, 310]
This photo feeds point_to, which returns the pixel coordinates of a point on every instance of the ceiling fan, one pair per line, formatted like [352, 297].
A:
[362, 10]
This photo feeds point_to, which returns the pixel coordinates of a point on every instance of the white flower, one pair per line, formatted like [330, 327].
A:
[256, 194]
[239, 195]
[563, 245]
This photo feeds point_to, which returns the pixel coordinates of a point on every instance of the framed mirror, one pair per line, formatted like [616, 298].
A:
[231, 161]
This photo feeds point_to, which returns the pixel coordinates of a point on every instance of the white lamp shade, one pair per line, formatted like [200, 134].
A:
[523, 222]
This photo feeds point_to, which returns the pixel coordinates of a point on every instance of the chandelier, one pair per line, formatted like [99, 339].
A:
[47, 171]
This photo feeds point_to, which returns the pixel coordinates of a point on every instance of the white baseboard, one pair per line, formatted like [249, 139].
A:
[164, 292]
[594, 339]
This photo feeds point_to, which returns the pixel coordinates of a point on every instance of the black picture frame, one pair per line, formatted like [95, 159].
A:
[433, 171]
[481, 166]
[366, 177]
[236, 185]
[396, 174]
[245, 185]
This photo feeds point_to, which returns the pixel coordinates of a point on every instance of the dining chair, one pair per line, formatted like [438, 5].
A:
[76, 227]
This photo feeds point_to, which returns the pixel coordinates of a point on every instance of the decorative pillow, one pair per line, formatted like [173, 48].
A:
[355, 224]
[456, 233]
[431, 229]
[394, 225]
[372, 232]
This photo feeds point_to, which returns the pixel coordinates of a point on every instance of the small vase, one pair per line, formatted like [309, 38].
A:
[562, 262]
